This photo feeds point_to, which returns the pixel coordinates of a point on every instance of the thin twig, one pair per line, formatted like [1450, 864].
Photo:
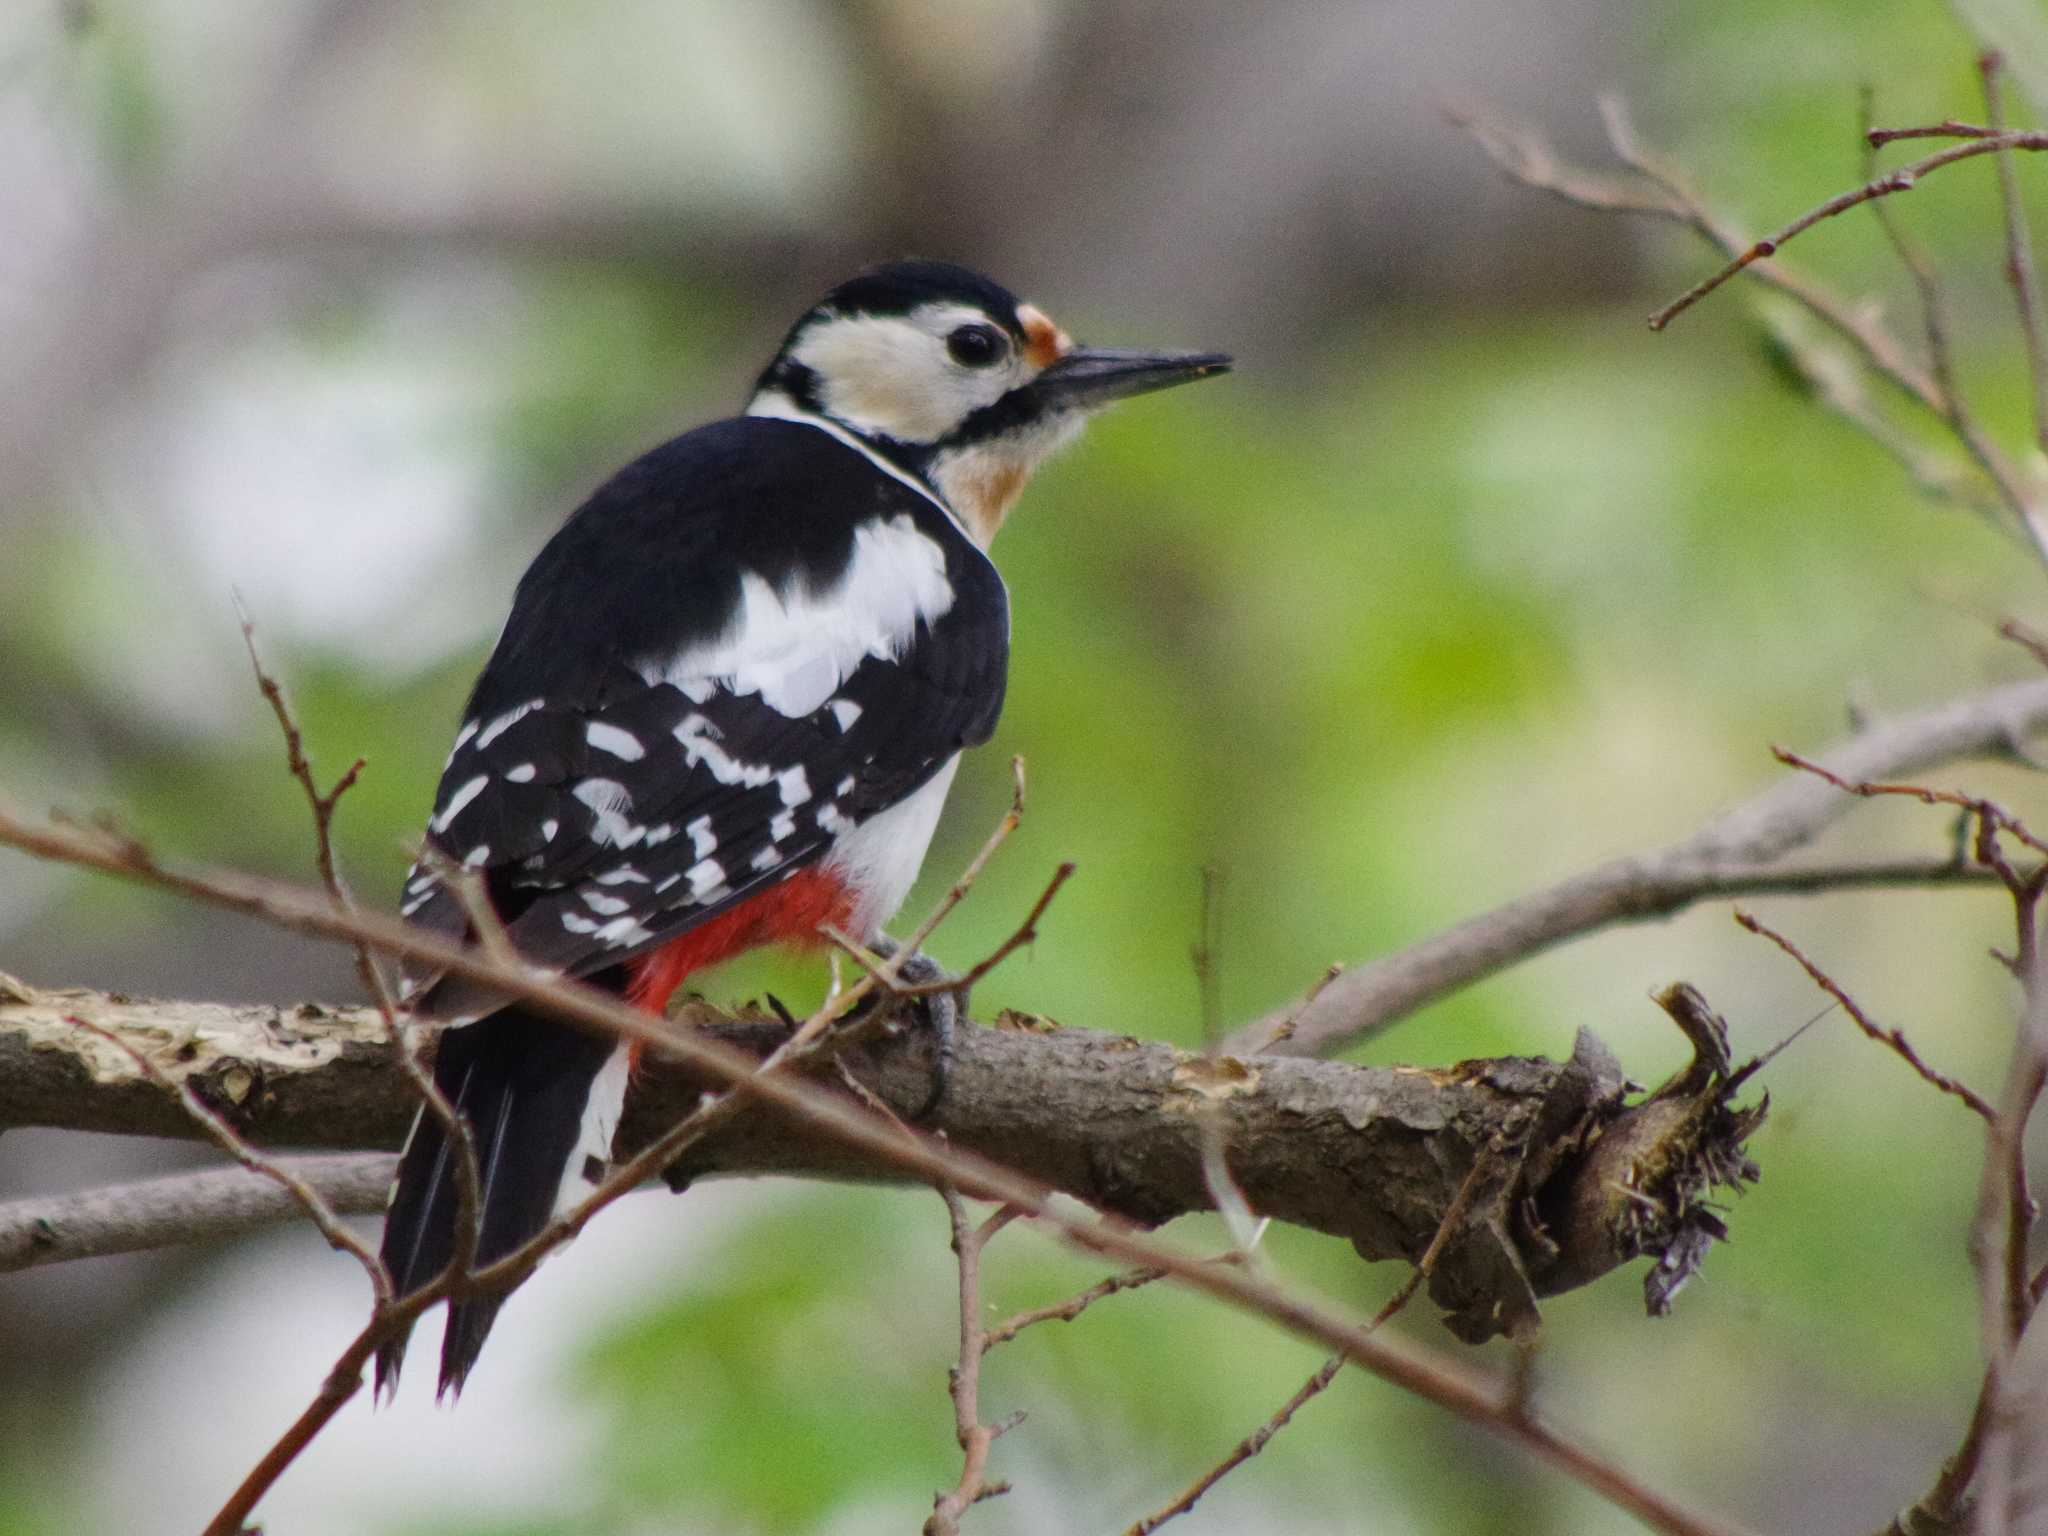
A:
[1204, 957]
[1483, 1164]
[468, 1196]
[2026, 637]
[1252, 1444]
[1926, 282]
[1526, 159]
[1244, 1451]
[964, 1379]
[1024, 933]
[2019, 249]
[1947, 128]
[1954, 409]
[1066, 1311]
[1988, 812]
[1901, 178]
[1892, 1039]
[1284, 1029]
[230, 1141]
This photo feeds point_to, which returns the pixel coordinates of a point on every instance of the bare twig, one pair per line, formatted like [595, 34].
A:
[1252, 1444]
[1454, 1218]
[1954, 410]
[1525, 158]
[1284, 1029]
[322, 806]
[1066, 1311]
[1024, 933]
[1245, 1450]
[1988, 813]
[1893, 1039]
[2026, 637]
[2019, 249]
[1741, 852]
[1947, 128]
[230, 1141]
[1204, 955]
[975, 1437]
[1901, 178]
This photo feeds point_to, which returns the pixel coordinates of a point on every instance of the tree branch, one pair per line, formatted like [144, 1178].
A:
[207, 1206]
[1739, 853]
[1373, 1155]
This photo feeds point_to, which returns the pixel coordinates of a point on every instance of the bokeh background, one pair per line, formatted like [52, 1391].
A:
[1462, 582]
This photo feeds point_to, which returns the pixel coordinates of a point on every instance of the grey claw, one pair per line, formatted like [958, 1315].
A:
[938, 1014]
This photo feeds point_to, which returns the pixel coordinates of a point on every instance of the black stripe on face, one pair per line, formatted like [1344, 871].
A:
[1021, 408]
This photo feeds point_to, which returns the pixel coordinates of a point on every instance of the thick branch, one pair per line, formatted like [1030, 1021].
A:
[1374, 1155]
[1737, 853]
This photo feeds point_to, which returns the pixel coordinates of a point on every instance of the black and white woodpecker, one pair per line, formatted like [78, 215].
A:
[726, 709]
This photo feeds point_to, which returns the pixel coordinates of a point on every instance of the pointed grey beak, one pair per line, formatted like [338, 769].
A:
[1089, 378]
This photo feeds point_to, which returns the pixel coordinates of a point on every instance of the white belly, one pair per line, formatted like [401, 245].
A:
[879, 859]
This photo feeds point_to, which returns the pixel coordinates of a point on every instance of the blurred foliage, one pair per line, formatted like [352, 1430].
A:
[1441, 611]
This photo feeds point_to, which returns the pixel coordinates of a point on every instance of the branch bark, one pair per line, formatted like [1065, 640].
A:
[1375, 1155]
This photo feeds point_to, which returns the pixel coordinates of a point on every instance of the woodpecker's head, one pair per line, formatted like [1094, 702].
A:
[949, 375]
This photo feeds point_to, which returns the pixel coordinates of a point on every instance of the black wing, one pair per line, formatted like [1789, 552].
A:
[746, 642]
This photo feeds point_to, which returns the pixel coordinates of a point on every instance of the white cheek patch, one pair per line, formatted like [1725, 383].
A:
[891, 374]
[795, 648]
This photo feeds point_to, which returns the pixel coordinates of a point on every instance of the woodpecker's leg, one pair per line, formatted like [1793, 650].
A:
[937, 1013]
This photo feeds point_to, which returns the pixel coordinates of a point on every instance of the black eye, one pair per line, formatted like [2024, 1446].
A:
[976, 346]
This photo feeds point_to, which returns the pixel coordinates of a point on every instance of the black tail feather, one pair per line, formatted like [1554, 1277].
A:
[524, 1084]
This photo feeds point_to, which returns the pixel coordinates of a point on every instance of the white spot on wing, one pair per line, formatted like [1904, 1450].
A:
[478, 856]
[505, 722]
[521, 773]
[702, 839]
[624, 874]
[699, 738]
[705, 876]
[768, 858]
[665, 882]
[468, 792]
[608, 799]
[845, 786]
[610, 906]
[795, 785]
[461, 740]
[845, 711]
[621, 743]
[782, 826]
[548, 829]
[622, 931]
[829, 819]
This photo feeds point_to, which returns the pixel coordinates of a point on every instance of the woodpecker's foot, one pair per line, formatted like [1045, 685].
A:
[938, 1014]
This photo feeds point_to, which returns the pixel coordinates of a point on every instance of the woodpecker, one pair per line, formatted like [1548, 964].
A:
[725, 711]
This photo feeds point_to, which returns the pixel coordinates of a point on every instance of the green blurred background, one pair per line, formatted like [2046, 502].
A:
[1464, 581]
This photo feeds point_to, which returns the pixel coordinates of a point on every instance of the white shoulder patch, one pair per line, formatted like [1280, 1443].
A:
[795, 647]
